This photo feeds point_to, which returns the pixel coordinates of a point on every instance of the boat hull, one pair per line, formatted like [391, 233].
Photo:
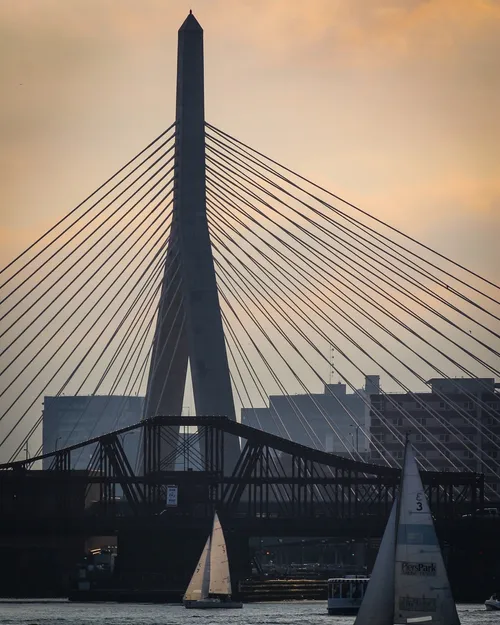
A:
[212, 604]
[491, 604]
[346, 611]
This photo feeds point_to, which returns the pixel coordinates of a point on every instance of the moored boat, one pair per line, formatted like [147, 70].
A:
[493, 603]
[345, 594]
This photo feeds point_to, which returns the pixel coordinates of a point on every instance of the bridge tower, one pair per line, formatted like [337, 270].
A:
[189, 324]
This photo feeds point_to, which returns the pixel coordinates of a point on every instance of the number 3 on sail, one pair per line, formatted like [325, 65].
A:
[409, 583]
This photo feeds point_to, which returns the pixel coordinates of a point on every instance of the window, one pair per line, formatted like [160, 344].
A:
[375, 422]
[468, 454]
[444, 438]
[419, 438]
[468, 405]
[398, 421]
[398, 455]
[375, 454]
[492, 453]
[379, 437]
[422, 420]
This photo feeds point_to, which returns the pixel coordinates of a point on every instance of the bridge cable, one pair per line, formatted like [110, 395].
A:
[229, 163]
[407, 415]
[290, 262]
[366, 214]
[77, 247]
[94, 343]
[229, 178]
[130, 162]
[363, 281]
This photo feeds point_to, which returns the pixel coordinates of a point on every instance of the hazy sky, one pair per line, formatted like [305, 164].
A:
[391, 103]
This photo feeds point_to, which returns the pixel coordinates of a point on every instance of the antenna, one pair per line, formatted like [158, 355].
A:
[332, 363]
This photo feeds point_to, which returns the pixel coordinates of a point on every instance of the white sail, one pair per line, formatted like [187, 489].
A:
[377, 607]
[199, 584]
[422, 591]
[220, 582]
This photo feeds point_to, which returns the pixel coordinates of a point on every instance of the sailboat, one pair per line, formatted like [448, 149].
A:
[210, 586]
[409, 583]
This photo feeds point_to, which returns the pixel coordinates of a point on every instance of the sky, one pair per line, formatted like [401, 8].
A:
[392, 104]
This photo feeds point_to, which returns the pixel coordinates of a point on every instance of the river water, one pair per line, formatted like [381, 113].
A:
[292, 613]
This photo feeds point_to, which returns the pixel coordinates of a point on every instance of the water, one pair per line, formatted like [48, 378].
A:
[292, 613]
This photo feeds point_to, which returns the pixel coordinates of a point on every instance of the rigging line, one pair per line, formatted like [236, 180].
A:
[347, 410]
[351, 340]
[74, 349]
[145, 309]
[79, 259]
[370, 284]
[86, 200]
[366, 214]
[255, 379]
[355, 236]
[88, 236]
[130, 246]
[359, 225]
[264, 359]
[347, 336]
[354, 305]
[365, 266]
[318, 407]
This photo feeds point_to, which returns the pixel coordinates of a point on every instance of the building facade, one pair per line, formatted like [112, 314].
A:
[334, 421]
[456, 423]
[68, 420]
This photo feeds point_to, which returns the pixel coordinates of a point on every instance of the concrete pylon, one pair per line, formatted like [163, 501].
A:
[189, 286]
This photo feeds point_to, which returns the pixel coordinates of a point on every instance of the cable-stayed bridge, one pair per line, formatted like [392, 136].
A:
[204, 261]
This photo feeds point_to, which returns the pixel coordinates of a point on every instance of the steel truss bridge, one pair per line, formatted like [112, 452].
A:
[202, 251]
[277, 486]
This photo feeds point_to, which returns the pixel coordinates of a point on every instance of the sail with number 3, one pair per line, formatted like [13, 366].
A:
[409, 583]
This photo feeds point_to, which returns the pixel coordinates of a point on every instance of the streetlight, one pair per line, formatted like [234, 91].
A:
[357, 436]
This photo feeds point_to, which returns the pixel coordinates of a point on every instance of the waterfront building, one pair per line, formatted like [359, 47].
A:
[471, 437]
[68, 420]
[335, 420]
